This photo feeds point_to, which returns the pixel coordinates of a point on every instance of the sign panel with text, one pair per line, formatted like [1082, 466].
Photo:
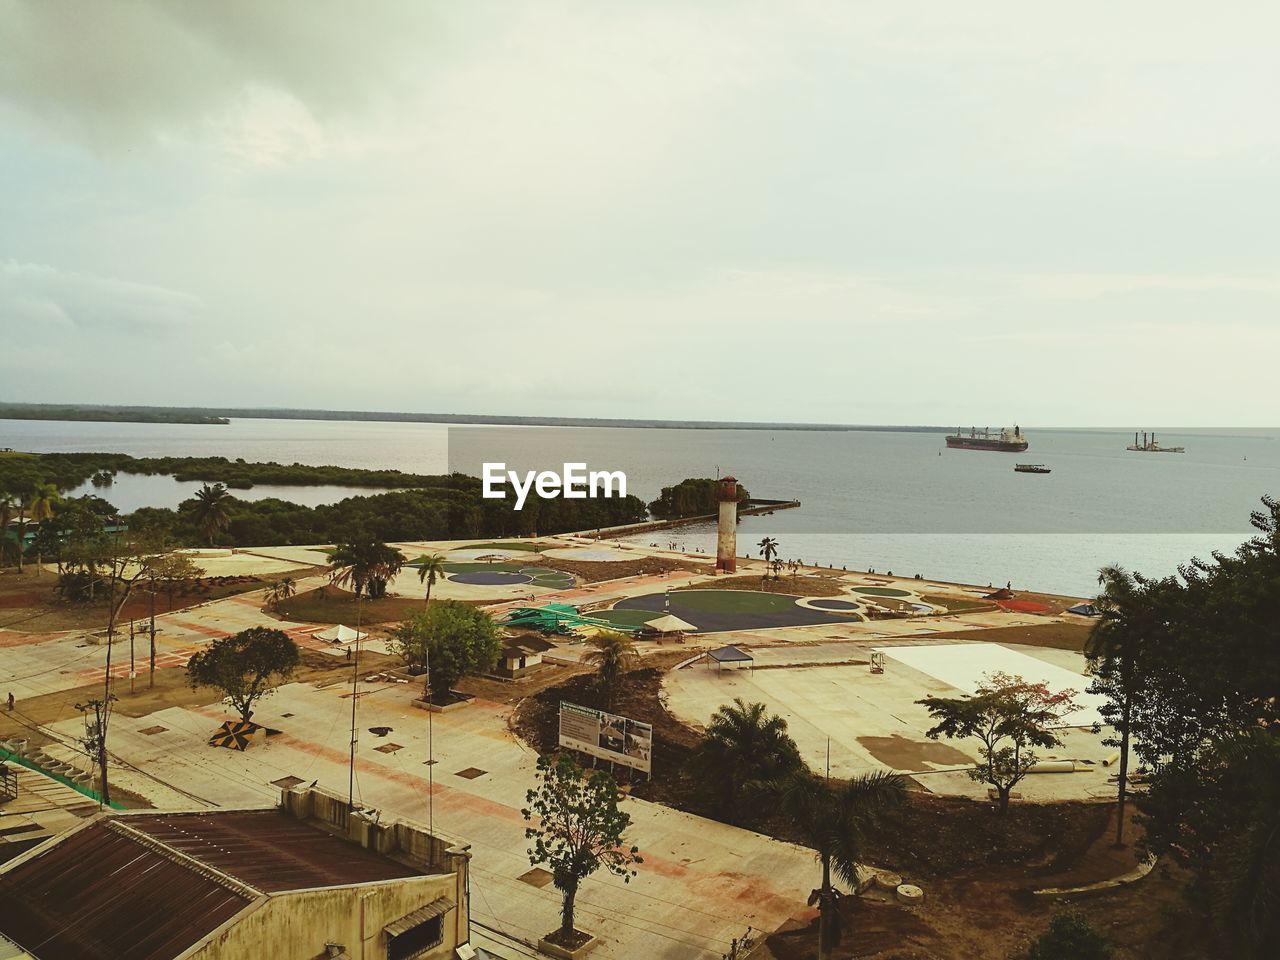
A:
[606, 736]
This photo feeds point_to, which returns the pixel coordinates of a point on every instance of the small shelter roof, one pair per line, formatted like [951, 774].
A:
[340, 633]
[730, 654]
[670, 624]
[1085, 610]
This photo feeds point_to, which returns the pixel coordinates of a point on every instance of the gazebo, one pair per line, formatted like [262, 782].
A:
[734, 656]
[668, 625]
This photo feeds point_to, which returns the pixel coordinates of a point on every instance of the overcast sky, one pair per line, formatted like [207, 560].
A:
[908, 212]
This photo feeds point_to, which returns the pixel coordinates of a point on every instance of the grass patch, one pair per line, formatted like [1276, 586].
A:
[626, 618]
[958, 604]
[530, 547]
[802, 585]
[330, 605]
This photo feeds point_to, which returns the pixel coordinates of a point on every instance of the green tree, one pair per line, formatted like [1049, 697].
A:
[1241, 788]
[212, 511]
[1130, 622]
[576, 828]
[169, 569]
[1009, 716]
[22, 488]
[834, 819]
[245, 667]
[447, 641]
[44, 497]
[430, 570]
[366, 565]
[613, 653]
[743, 744]
[1204, 720]
[280, 591]
[6, 517]
[1070, 937]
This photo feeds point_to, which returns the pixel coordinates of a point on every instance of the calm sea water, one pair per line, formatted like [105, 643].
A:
[892, 501]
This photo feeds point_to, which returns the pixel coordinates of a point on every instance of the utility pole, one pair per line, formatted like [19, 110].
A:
[355, 675]
[151, 676]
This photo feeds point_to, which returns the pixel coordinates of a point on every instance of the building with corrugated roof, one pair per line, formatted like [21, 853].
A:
[308, 879]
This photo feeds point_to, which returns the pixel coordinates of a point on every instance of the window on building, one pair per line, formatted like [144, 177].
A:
[417, 940]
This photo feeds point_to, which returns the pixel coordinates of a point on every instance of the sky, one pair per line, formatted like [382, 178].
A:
[909, 212]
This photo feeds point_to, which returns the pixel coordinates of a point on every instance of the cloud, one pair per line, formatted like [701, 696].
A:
[34, 297]
[119, 73]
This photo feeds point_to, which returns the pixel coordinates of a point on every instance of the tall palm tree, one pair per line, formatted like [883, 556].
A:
[768, 549]
[833, 818]
[743, 744]
[367, 565]
[613, 655]
[212, 513]
[44, 497]
[430, 569]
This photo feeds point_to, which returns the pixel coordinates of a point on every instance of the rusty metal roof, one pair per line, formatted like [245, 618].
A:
[148, 886]
[101, 895]
[269, 849]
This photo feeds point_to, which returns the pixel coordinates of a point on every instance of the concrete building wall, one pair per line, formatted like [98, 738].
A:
[296, 926]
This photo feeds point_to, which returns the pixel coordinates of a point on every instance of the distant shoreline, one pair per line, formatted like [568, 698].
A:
[224, 415]
[95, 414]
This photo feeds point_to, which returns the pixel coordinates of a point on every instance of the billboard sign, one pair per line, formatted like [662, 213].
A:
[606, 736]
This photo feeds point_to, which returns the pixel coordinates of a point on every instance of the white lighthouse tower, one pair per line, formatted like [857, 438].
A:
[727, 533]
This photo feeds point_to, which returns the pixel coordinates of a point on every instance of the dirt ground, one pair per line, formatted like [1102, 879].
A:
[1151, 920]
[536, 721]
[1063, 636]
[805, 585]
[594, 571]
[28, 602]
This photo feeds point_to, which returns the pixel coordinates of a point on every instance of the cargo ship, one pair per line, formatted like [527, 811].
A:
[1030, 468]
[1007, 441]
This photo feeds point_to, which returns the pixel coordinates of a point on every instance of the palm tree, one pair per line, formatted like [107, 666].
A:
[743, 744]
[280, 591]
[768, 549]
[833, 819]
[212, 513]
[430, 569]
[367, 565]
[44, 497]
[614, 655]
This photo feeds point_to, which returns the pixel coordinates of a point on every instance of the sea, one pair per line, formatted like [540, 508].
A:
[894, 502]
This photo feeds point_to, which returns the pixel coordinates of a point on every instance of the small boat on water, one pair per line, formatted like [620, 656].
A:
[1030, 468]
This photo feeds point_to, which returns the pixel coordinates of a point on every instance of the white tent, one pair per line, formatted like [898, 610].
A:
[341, 634]
[670, 624]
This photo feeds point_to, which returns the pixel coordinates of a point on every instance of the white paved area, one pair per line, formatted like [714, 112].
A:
[831, 700]
[966, 665]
